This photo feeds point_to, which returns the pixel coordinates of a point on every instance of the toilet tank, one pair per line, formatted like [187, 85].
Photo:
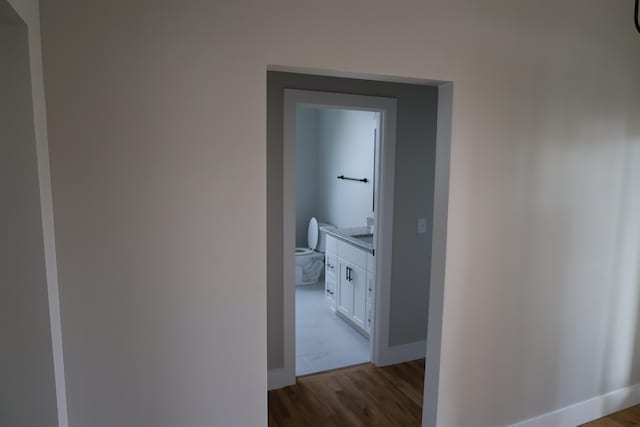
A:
[322, 235]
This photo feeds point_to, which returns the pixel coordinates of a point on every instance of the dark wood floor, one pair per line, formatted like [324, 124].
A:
[365, 396]
[627, 418]
[362, 395]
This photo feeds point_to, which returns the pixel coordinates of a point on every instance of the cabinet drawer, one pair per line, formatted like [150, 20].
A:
[330, 289]
[352, 255]
[331, 265]
[331, 244]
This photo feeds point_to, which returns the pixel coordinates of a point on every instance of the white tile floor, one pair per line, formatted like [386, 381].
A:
[323, 340]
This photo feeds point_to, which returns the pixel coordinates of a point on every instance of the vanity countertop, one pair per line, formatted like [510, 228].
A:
[347, 234]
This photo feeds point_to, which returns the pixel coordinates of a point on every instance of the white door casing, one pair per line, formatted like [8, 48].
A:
[383, 203]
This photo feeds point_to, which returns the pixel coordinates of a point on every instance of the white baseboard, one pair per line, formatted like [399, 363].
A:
[587, 410]
[402, 353]
[278, 378]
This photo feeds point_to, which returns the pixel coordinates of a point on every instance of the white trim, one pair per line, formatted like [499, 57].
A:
[587, 410]
[278, 378]
[289, 239]
[326, 72]
[438, 254]
[53, 289]
[384, 235]
[403, 353]
[379, 341]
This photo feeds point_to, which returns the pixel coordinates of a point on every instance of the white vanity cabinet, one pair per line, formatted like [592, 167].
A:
[350, 282]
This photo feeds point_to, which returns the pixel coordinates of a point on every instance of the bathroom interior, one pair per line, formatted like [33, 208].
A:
[336, 161]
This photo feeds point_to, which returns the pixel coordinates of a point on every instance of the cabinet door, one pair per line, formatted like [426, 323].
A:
[369, 318]
[358, 280]
[345, 290]
[330, 289]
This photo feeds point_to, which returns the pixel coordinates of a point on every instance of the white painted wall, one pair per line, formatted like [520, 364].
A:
[345, 147]
[157, 126]
[306, 171]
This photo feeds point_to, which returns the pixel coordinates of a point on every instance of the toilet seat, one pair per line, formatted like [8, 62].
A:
[303, 251]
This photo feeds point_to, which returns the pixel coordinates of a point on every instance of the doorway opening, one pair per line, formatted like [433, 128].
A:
[407, 303]
[354, 161]
[335, 202]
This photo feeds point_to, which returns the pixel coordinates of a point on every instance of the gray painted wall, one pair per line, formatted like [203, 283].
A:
[415, 156]
[27, 385]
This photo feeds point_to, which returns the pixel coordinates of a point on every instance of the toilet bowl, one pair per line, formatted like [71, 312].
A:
[310, 260]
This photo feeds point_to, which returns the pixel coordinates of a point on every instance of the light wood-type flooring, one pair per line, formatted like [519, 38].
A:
[367, 396]
[362, 395]
[627, 418]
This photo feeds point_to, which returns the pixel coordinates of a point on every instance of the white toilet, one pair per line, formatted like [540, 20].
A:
[310, 261]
